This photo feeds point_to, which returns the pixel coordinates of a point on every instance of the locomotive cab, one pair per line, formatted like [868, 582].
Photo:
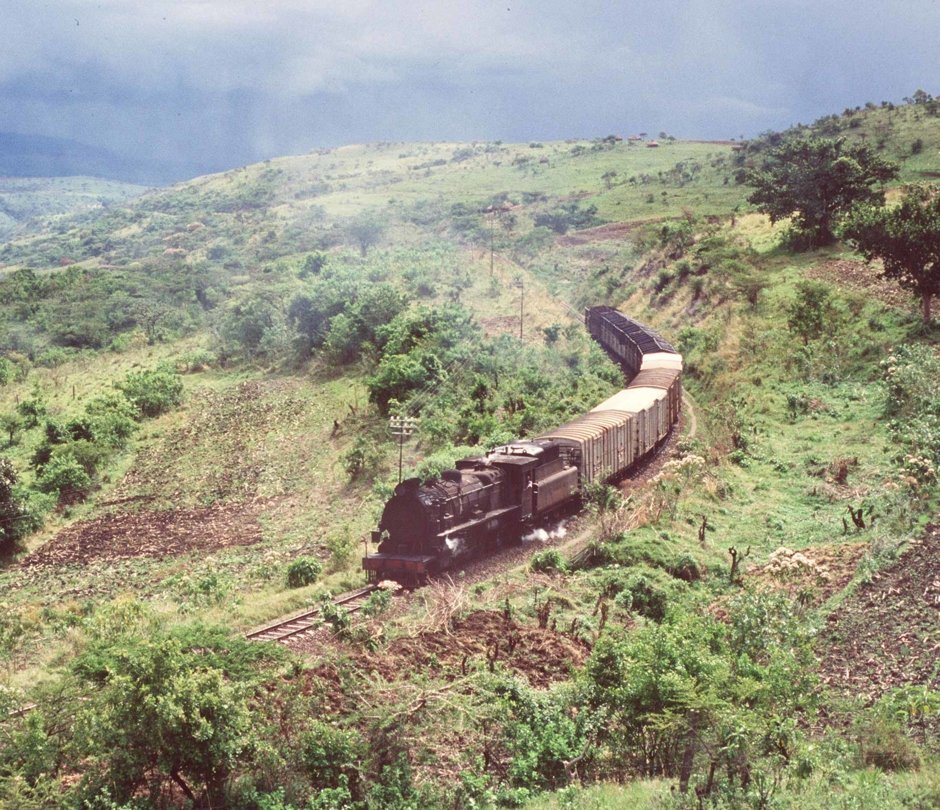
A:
[539, 476]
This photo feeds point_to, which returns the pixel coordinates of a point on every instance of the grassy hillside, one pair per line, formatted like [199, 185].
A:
[25, 200]
[198, 384]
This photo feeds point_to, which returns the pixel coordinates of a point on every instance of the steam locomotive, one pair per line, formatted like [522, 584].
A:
[490, 500]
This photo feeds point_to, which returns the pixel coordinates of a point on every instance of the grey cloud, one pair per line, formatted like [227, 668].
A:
[222, 82]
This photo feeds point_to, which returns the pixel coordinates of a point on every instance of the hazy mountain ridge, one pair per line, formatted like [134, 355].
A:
[30, 155]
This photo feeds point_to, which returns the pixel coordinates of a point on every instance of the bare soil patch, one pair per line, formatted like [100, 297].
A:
[150, 534]
[540, 656]
[481, 639]
[887, 634]
[219, 453]
[500, 325]
[603, 233]
[864, 278]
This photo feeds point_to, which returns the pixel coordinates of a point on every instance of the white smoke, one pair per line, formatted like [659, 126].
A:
[543, 536]
[454, 544]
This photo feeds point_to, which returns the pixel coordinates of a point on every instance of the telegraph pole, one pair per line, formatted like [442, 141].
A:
[520, 283]
[402, 427]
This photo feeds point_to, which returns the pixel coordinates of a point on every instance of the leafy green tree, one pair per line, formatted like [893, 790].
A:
[247, 324]
[906, 237]
[567, 216]
[366, 231]
[399, 375]
[813, 312]
[343, 339]
[33, 409]
[695, 691]
[64, 475]
[11, 424]
[152, 392]
[816, 180]
[7, 371]
[111, 420]
[160, 712]
[12, 510]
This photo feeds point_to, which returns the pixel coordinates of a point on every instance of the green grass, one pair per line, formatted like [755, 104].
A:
[262, 431]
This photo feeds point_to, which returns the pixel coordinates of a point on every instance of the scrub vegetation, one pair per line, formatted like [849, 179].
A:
[195, 393]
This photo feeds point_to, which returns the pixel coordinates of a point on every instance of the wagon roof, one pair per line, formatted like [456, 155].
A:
[648, 340]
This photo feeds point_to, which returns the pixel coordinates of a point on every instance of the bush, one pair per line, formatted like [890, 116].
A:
[13, 512]
[54, 356]
[33, 410]
[377, 603]
[884, 745]
[549, 561]
[303, 571]
[65, 476]
[152, 392]
[111, 420]
[361, 461]
[329, 756]
[7, 371]
[644, 590]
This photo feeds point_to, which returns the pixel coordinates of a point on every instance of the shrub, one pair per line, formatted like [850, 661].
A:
[12, 510]
[643, 590]
[362, 459]
[329, 757]
[377, 603]
[303, 571]
[549, 561]
[54, 356]
[64, 475]
[152, 392]
[342, 546]
[884, 745]
[33, 409]
[7, 371]
[111, 420]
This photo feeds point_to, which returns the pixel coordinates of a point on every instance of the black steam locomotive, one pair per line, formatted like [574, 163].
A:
[491, 500]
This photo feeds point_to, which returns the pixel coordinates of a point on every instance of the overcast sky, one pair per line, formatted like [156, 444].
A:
[220, 83]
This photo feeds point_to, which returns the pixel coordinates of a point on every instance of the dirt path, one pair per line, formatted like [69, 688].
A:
[689, 414]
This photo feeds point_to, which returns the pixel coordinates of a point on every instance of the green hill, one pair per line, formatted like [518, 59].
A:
[195, 391]
[26, 200]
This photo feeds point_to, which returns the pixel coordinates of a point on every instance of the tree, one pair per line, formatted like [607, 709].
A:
[906, 238]
[812, 312]
[161, 710]
[365, 231]
[815, 180]
[11, 424]
[13, 515]
[152, 392]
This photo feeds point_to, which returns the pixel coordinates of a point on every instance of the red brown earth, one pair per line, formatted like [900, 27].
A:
[864, 278]
[150, 534]
[542, 657]
[603, 233]
[887, 634]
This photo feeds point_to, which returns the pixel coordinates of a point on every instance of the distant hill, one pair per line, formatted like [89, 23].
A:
[42, 156]
[26, 200]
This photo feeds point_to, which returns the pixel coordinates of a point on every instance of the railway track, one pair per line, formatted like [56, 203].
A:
[297, 623]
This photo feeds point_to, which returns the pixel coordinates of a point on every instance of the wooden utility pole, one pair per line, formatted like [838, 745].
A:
[402, 427]
[520, 283]
[492, 236]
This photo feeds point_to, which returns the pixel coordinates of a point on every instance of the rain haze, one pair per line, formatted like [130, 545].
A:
[166, 90]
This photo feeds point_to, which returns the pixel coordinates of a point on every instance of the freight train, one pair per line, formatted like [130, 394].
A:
[490, 500]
